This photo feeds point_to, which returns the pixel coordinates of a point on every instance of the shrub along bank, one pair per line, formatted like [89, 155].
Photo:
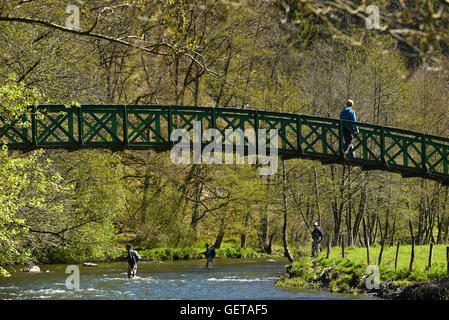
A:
[118, 253]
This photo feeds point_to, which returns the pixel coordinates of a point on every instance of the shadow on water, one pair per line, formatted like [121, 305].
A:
[230, 279]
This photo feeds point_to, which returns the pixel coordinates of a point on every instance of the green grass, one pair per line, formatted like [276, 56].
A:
[347, 274]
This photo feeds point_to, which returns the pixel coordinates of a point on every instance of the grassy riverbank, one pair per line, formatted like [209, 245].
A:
[348, 274]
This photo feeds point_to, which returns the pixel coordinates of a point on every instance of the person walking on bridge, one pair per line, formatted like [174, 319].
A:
[317, 237]
[348, 114]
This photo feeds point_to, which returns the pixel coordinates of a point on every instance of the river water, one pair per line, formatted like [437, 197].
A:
[230, 279]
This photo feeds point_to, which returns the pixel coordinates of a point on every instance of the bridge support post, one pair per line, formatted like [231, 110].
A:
[256, 129]
[382, 147]
[34, 126]
[298, 134]
[125, 126]
[423, 154]
[80, 126]
[170, 121]
[340, 139]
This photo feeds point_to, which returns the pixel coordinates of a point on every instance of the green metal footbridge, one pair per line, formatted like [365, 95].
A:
[299, 136]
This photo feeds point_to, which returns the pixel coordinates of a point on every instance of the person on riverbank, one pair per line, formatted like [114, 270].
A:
[317, 237]
[348, 113]
[210, 255]
[133, 257]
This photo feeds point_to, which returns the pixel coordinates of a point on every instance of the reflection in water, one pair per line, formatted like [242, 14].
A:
[230, 279]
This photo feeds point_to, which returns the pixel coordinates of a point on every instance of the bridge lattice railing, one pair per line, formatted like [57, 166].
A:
[150, 126]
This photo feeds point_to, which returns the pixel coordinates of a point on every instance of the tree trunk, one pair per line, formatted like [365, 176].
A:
[365, 233]
[264, 219]
[384, 240]
[220, 234]
[337, 208]
[243, 236]
[243, 240]
[198, 190]
[287, 253]
[349, 211]
[442, 221]
[419, 236]
[269, 249]
[317, 195]
[197, 86]
[146, 195]
[397, 256]
[412, 256]
[358, 217]
[393, 231]
[264, 235]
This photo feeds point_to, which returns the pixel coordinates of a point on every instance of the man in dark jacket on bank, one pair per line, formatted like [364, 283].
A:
[317, 236]
[133, 257]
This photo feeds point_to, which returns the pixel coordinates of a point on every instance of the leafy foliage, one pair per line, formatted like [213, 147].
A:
[60, 206]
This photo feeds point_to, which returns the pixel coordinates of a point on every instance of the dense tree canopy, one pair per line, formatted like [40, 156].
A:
[306, 57]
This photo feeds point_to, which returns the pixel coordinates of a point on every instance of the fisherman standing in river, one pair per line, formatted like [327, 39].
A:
[210, 255]
[133, 257]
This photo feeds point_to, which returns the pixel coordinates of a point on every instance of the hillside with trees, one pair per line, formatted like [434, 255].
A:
[305, 57]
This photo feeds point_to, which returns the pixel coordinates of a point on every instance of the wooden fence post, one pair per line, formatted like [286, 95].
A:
[368, 258]
[329, 240]
[397, 255]
[342, 246]
[412, 256]
[429, 265]
[379, 259]
[447, 260]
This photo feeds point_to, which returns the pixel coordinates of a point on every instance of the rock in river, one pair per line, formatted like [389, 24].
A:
[90, 264]
[31, 269]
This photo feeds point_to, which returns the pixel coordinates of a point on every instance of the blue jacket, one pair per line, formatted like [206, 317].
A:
[348, 114]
